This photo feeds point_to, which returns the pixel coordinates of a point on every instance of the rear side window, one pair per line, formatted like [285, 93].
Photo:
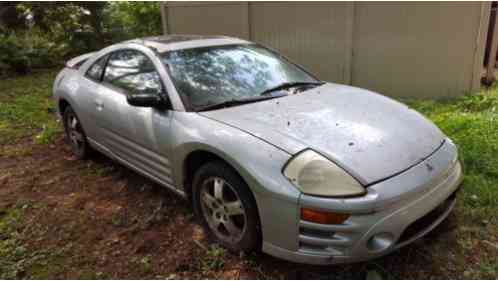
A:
[133, 72]
[95, 71]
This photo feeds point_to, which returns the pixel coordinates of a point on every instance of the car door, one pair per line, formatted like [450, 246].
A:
[132, 133]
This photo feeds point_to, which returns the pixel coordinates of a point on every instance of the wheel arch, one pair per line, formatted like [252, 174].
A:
[199, 157]
[196, 159]
[62, 105]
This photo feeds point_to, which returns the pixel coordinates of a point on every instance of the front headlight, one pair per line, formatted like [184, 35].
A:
[314, 174]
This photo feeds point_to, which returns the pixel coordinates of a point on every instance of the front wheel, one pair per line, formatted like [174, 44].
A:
[226, 207]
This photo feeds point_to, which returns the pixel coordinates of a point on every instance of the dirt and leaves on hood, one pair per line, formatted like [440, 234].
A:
[67, 219]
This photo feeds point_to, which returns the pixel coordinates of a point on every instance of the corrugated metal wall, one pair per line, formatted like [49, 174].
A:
[321, 45]
[226, 18]
[415, 49]
[397, 49]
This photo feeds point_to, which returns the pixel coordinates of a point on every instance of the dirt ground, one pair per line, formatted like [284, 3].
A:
[97, 219]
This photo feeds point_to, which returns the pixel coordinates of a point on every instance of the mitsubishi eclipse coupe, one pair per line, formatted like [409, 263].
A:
[270, 157]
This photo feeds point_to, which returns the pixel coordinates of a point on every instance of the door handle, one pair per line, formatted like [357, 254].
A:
[99, 104]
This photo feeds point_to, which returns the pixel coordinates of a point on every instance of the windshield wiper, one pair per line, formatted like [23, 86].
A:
[262, 96]
[234, 102]
[286, 85]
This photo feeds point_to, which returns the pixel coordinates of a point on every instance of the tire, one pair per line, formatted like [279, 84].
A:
[212, 210]
[75, 135]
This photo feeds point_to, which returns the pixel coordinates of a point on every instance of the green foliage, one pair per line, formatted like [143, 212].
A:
[55, 32]
[68, 25]
[12, 54]
[77, 26]
[21, 51]
[135, 19]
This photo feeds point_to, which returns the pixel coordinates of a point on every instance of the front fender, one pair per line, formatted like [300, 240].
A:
[255, 160]
[258, 162]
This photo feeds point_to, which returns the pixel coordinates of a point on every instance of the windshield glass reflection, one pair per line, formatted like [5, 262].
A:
[205, 76]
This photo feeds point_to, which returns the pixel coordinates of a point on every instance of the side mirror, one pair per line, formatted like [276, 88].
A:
[145, 100]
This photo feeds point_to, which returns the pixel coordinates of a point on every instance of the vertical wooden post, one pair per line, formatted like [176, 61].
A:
[164, 20]
[481, 45]
[490, 69]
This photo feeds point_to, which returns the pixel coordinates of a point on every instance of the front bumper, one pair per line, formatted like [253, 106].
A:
[389, 217]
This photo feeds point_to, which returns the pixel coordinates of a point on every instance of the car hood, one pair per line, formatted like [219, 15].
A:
[371, 136]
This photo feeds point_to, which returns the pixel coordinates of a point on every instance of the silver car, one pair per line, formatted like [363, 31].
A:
[270, 157]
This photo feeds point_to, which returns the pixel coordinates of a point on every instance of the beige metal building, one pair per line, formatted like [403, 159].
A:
[413, 49]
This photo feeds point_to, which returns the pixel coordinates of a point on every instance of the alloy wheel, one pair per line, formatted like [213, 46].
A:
[223, 210]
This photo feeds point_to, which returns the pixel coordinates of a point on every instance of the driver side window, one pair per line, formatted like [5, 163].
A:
[133, 72]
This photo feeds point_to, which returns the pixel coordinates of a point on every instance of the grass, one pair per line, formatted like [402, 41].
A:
[25, 108]
[470, 121]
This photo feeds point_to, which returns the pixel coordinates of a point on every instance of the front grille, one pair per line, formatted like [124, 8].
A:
[426, 221]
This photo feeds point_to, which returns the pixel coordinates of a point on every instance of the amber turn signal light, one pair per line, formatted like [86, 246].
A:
[323, 217]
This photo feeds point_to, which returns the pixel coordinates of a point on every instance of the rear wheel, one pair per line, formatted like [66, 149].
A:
[224, 203]
[75, 135]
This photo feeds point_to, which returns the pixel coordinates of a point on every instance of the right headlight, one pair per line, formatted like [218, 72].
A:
[314, 174]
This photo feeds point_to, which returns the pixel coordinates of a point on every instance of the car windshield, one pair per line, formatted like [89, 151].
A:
[216, 75]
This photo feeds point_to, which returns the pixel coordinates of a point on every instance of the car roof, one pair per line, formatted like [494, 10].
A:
[175, 42]
[174, 38]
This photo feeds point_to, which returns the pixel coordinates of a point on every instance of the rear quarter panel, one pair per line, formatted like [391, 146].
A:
[70, 86]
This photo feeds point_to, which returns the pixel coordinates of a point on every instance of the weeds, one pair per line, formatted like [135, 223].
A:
[99, 169]
[49, 132]
[144, 264]
[213, 260]
[14, 257]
